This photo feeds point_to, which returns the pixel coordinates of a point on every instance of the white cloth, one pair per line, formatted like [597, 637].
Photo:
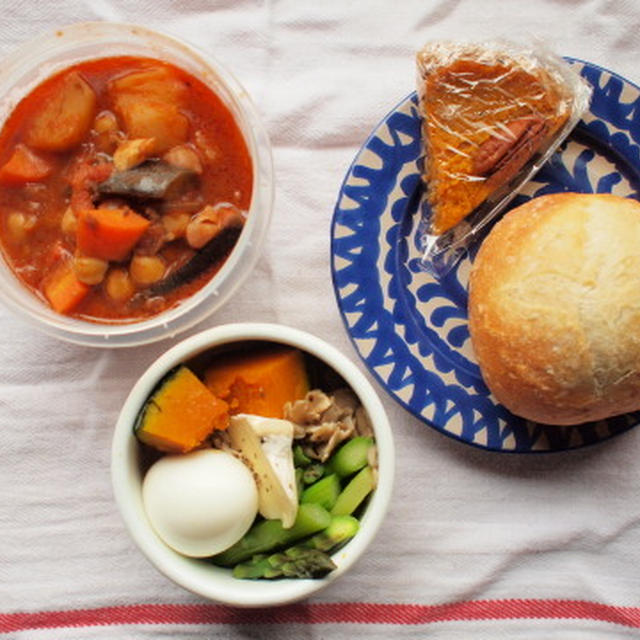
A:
[465, 526]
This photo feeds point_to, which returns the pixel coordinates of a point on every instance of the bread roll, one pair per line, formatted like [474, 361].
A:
[554, 308]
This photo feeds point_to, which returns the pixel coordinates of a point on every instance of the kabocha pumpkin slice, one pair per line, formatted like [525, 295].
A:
[180, 413]
[259, 383]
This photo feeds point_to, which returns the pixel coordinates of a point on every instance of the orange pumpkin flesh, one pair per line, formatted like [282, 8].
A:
[259, 383]
[181, 414]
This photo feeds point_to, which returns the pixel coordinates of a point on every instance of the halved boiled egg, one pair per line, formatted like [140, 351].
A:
[200, 503]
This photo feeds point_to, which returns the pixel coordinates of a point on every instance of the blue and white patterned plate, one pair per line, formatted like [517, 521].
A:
[411, 329]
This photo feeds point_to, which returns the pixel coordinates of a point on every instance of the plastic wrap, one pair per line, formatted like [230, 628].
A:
[493, 114]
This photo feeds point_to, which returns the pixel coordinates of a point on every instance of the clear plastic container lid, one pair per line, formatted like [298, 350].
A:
[493, 113]
[35, 61]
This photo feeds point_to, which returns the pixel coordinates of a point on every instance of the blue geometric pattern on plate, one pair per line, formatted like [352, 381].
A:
[411, 329]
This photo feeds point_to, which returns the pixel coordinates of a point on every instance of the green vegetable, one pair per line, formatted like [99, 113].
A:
[359, 487]
[340, 529]
[313, 473]
[299, 483]
[300, 458]
[270, 535]
[324, 492]
[351, 456]
[308, 559]
[295, 562]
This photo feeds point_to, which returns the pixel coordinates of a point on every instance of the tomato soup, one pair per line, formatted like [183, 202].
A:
[124, 184]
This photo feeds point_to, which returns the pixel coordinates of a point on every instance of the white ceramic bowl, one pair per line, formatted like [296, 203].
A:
[35, 61]
[200, 576]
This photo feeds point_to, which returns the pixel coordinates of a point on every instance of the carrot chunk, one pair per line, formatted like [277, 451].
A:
[24, 166]
[63, 290]
[109, 234]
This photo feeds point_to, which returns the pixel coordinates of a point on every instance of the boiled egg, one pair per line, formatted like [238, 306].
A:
[200, 503]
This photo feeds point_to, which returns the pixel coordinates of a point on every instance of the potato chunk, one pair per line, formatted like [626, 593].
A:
[148, 103]
[158, 84]
[158, 120]
[65, 117]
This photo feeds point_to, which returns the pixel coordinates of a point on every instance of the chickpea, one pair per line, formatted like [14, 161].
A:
[208, 223]
[69, 222]
[19, 224]
[183, 157]
[107, 135]
[175, 225]
[118, 285]
[202, 227]
[105, 122]
[90, 270]
[146, 270]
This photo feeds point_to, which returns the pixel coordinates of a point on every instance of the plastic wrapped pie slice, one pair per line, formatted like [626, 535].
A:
[492, 115]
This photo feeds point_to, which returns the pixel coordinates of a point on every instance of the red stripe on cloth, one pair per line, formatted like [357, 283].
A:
[328, 613]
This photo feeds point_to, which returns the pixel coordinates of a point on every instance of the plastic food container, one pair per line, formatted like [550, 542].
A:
[200, 576]
[499, 145]
[37, 60]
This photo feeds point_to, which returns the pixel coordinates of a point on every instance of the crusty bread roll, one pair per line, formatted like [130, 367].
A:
[554, 308]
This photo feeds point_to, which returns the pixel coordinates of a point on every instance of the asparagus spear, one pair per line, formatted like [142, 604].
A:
[340, 529]
[312, 473]
[359, 487]
[295, 562]
[300, 458]
[324, 492]
[299, 482]
[351, 456]
[309, 559]
[270, 535]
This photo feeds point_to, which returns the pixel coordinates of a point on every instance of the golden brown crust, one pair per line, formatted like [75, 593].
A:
[554, 308]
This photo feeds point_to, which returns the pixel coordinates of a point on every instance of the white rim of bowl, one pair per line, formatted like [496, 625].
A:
[245, 593]
[32, 56]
